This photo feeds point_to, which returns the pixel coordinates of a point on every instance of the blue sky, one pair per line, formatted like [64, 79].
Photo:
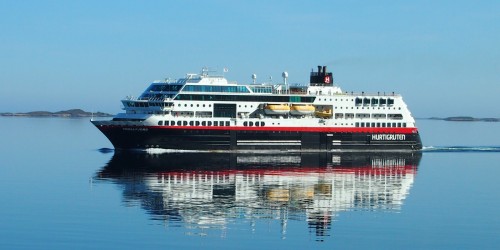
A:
[442, 56]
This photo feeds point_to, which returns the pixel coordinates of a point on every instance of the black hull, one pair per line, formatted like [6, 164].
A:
[240, 140]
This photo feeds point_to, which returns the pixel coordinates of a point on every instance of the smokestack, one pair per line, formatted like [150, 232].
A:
[319, 70]
[324, 70]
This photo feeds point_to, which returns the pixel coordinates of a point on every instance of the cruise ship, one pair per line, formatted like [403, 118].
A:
[205, 111]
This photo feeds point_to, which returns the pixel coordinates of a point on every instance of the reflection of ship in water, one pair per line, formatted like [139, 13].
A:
[210, 191]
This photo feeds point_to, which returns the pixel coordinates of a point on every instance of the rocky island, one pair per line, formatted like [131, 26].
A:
[72, 113]
[466, 119]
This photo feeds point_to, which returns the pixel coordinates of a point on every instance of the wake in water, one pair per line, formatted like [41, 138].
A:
[461, 149]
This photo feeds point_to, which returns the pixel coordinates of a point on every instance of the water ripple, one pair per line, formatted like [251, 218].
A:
[452, 149]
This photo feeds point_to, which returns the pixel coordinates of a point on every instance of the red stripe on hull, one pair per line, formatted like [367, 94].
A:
[287, 129]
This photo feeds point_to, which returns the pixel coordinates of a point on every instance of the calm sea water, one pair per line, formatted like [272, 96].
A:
[60, 188]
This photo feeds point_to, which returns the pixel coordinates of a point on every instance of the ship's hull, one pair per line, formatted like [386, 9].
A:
[240, 139]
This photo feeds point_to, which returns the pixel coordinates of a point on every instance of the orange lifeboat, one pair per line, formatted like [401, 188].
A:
[327, 113]
[276, 109]
[302, 109]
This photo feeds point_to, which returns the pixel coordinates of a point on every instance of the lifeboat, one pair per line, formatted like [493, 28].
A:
[276, 109]
[327, 113]
[302, 109]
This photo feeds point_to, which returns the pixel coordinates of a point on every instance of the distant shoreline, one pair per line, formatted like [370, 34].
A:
[71, 113]
[464, 119]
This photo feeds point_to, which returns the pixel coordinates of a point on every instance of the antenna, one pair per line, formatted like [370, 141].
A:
[254, 77]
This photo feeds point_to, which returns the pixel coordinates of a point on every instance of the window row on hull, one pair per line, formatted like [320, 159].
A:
[195, 123]
[380, 124]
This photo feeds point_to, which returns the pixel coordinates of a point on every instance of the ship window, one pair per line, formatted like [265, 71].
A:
[172, 123]
[399, 124]
[216, 123]
[349, 115]
[383, 101]
[257, 124]
[179, 123]
[245, 124]
[374, 101]
[378, 124]
[390, 101]
[366, 101]
[362, 115]
[228, 124]
[185, 123]
[191, 123]
[160, 123]
[209, 123]
[395, 116]
[203, 123]
[357, 124]
[250, 124]
[359, 101]
[262, 124]
[339, 115]
[393, 124]
[383, 125]
[197, 123]
[404, 124]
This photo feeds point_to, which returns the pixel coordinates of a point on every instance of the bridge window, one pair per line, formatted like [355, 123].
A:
[358, 101]
[366, 101]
